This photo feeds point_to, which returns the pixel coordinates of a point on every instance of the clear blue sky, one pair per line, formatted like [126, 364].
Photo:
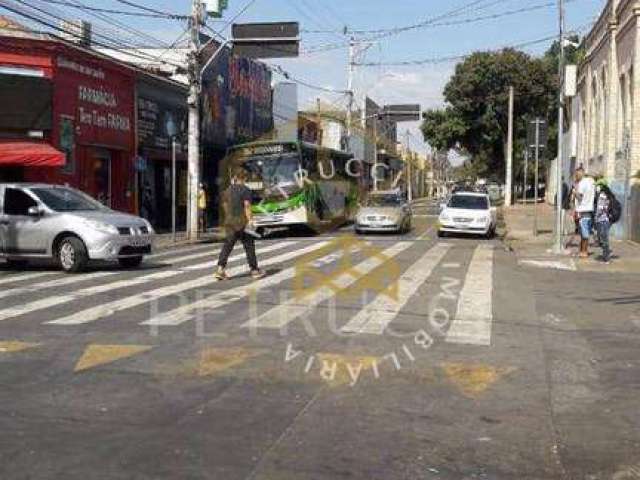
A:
[386, 84]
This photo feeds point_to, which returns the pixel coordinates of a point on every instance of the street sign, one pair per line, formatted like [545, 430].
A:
[252, 31]
[266, 48]
[266, 40]
[543, 133]
[402, 113]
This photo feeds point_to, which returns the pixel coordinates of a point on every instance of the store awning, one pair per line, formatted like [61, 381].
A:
[29, 153]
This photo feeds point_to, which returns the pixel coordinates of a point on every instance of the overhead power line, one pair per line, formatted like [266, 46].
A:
[147, 9]
[116, 12]
[453, 58]
[115, 23]
[118, 48]
[288, 76]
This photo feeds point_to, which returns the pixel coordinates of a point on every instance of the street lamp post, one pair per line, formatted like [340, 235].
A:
[561, 62]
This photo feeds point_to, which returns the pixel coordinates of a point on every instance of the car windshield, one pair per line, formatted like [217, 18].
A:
[272, 170]
[66, 200]
[469, 202]
[384, 201]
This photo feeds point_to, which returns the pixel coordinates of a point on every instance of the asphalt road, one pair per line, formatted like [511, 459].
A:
[369, 357]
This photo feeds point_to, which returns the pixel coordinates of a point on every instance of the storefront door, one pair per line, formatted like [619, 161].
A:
[102, 176]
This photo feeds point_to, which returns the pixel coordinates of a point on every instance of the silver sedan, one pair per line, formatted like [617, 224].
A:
[384, 212]
[47, 221]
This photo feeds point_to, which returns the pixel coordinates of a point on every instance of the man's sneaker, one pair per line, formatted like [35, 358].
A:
[221, 274]
[256, 274]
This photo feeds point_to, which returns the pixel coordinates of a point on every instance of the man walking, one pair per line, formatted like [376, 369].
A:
[237, 215]
[585, 199]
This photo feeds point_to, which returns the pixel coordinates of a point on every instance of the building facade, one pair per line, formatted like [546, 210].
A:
[605, 116]
[85, 110]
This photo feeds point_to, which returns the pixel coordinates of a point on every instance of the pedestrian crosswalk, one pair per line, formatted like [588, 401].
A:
[52, 299]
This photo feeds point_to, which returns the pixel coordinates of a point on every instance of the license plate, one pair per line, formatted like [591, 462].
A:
[139, 242]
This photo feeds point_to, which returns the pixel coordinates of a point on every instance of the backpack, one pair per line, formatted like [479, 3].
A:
[615, 208]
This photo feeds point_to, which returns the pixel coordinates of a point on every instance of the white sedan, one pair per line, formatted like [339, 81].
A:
[467, 212]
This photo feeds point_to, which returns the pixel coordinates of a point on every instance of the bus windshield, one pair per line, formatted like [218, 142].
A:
[272, 170]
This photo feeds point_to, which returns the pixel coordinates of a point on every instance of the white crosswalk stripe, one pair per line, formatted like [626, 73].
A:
[11, 278]
[185, 313]
[290, 310]
[377, 315]
[53, 301]
[67, 280]
[474, 314]
[105, 310]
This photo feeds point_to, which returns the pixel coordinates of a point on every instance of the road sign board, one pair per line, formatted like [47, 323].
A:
[253, 31]
[266, 48]
[543, 133]
[402, 113]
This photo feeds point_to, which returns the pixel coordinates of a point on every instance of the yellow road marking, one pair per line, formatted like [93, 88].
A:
[15, 346]
[95, 355]
[215, 360]
[473, 380]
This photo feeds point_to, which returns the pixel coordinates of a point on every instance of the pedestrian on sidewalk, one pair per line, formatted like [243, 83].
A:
[603, 218]
[202, 208]
[568, 205]
[236, 202]
[585, 201]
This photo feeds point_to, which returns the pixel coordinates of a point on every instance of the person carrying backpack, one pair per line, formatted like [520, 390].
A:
[607, 212]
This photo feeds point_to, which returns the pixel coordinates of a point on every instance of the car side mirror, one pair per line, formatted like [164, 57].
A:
[443, 206]
[493, 209]
[35, 212]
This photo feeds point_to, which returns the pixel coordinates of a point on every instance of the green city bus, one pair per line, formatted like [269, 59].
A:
[298, 184]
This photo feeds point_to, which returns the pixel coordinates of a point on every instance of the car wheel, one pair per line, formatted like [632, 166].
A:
[130, 262]
[358, 231]
[14, 264]
[441, 234]
[72, 255]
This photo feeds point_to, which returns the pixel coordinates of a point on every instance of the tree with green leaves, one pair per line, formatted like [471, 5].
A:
[475, 119]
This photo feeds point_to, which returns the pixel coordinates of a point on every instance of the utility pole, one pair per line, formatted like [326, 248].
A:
[408, 167]
[352, 51]
[194, 120]
[535, 187]
[561, 61]
[509, 173]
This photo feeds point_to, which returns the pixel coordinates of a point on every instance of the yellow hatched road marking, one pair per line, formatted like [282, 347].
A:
[95, 355]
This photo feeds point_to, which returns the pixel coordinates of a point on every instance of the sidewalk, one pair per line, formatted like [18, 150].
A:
[536, 251]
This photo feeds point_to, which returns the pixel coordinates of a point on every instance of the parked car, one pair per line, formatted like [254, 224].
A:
[48, 221]
[468, 212]
[384, 211]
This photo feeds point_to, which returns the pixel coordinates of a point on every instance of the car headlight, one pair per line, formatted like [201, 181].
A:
[444, 218]
[483, 219]
[149, 227]
[101, 227]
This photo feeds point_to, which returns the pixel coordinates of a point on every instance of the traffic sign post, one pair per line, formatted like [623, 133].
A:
[537, 137]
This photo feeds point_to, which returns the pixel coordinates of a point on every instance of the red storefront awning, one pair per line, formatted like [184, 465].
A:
[30, 153]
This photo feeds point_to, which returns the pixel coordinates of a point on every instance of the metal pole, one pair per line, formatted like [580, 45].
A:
[509, 174]
[194, 122]
[558, 240]
[350, 91]
[173, 188]
[535, 187]
[526, 171]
